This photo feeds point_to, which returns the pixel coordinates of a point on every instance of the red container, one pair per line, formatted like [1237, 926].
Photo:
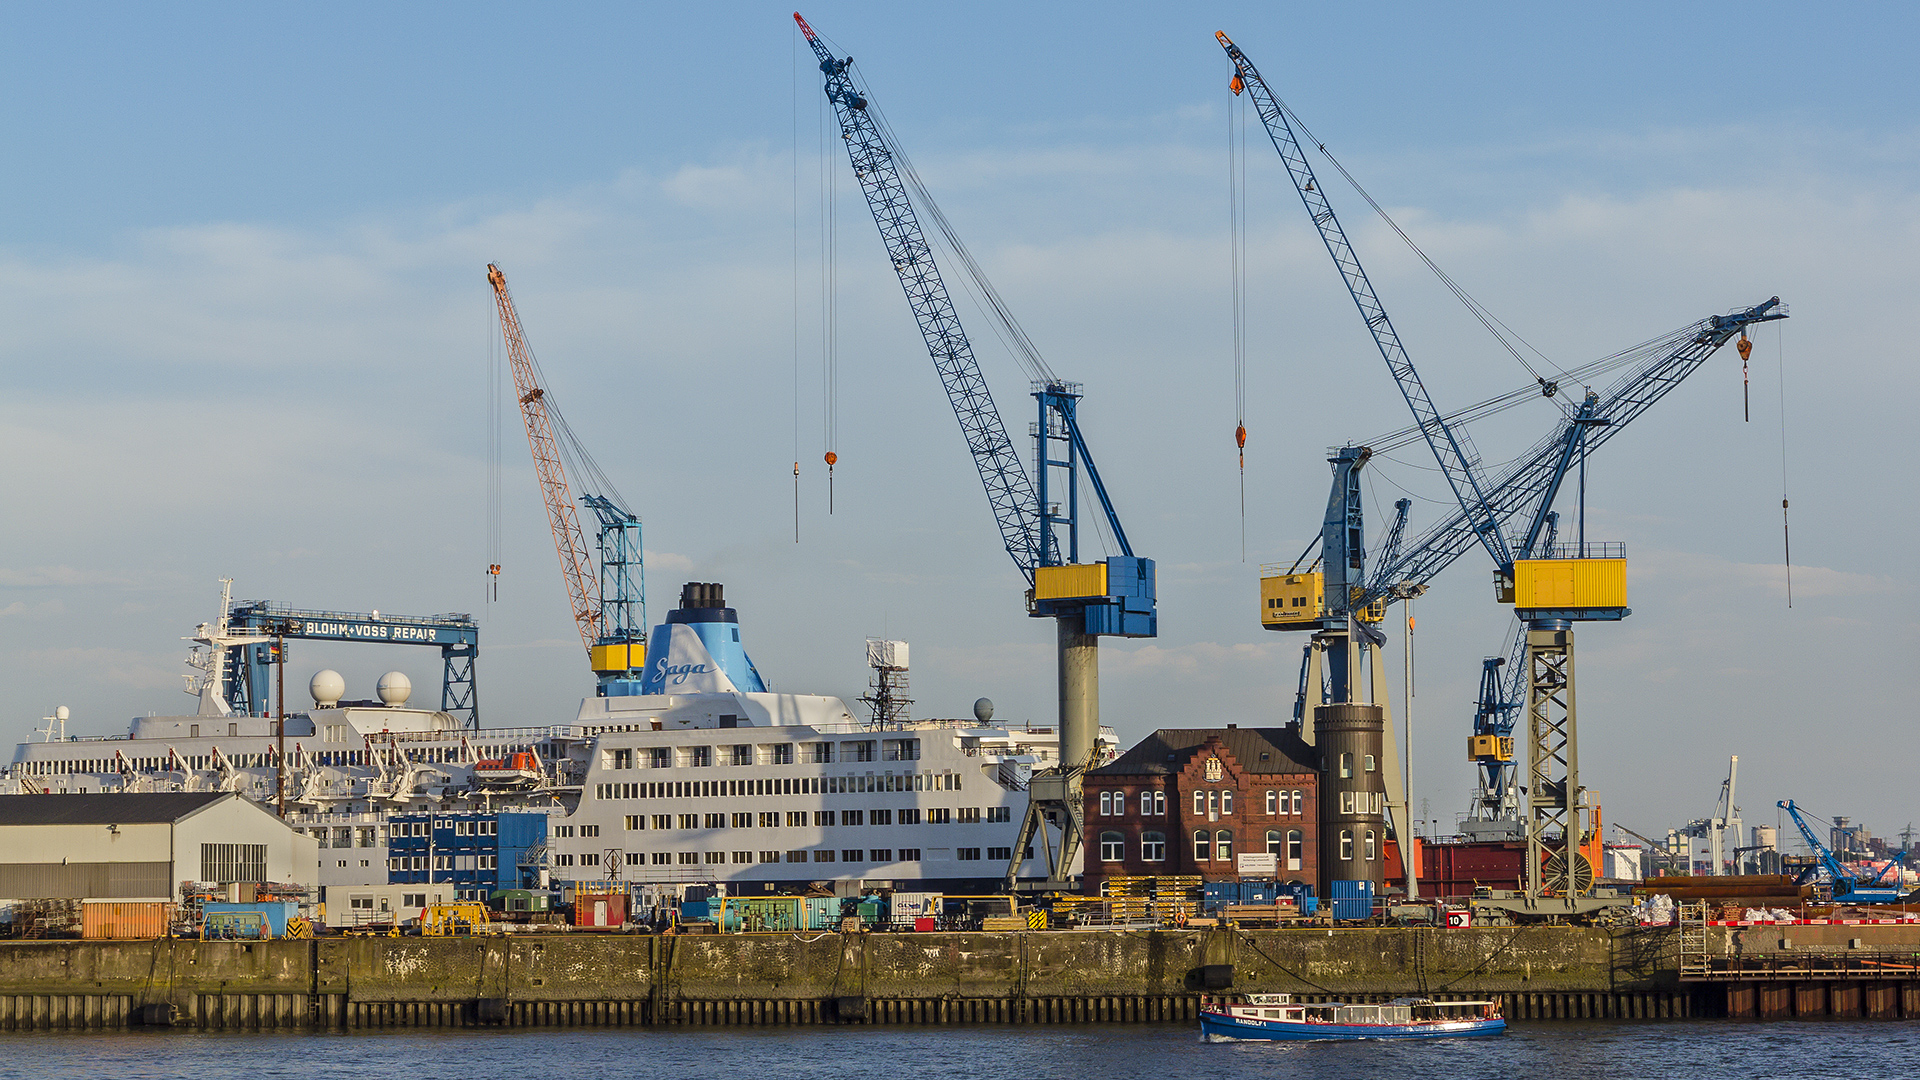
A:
[599, 911]
[1449, 870]
[923, 924]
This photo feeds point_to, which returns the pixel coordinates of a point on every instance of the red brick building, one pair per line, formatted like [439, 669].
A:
[1195, 800]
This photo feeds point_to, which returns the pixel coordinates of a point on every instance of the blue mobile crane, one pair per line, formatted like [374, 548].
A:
[1847, 887]
[1109, 597]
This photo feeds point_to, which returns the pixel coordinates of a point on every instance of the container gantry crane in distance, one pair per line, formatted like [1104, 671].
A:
[1551, 587]
[608, 599]
[1849, 888]
[1110, 597]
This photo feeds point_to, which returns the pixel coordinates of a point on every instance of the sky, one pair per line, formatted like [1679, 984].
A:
[246, 333]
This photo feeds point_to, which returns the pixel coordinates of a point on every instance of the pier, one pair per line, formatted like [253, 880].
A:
[1113, 977]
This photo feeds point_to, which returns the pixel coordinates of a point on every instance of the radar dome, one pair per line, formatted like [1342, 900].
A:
[60, 713]
[327, 688]
[983, 710]
[395, 688]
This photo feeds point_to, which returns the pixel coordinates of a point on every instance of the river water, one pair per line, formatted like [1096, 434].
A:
[1617, 1050]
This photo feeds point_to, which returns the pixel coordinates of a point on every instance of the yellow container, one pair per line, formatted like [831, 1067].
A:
[1570, 583]
[617, 657]
[1291, 601]
[1498, 747]
[1069, 582]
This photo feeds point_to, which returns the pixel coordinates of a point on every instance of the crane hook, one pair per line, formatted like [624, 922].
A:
[1237, 84]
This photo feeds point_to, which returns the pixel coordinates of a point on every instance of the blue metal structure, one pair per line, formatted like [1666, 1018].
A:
[622, 613]
[478, 852]
[1025, 512]
[249, 667]
[1847, 888]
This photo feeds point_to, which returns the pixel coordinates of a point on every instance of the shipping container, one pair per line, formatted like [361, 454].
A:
[751, 914]
[122, 919]
[1350, 900]
[1453, 870]
[275, 912]
[599, 911]
[823, 913]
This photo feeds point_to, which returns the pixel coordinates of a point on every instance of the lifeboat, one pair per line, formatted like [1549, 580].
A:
[516, 770]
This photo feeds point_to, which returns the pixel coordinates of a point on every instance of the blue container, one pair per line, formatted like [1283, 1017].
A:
[696, 911]
[1351, 899]
[823, 913]
[277, 912]
[1220, 892]
[1258, 892]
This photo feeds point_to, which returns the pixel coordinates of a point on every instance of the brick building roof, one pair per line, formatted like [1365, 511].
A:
[1257, 750]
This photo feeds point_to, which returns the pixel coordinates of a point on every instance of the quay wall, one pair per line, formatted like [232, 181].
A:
[1036, 977]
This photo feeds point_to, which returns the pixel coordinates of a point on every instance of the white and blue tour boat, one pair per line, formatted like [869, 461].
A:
[1272, 1017]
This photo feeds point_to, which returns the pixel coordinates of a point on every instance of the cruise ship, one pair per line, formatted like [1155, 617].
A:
[704, 775]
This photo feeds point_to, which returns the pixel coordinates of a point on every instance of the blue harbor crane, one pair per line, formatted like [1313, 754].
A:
[1848, 887]
[1039, 518]
[1552, 586]
[249, 667]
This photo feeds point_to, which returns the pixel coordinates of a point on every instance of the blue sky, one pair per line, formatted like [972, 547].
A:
[247, 334]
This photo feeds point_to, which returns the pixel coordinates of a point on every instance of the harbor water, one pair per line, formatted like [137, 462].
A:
[1689, 1049]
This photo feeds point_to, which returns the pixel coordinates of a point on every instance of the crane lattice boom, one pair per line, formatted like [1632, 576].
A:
[1009, 489]
[576, 565]
[1450, 449]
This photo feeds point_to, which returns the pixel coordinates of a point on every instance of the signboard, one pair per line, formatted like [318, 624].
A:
[1259, 863]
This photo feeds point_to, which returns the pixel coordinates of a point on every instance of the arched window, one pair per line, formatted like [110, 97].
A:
[1296, 802]
[1273, 799]
[1226, 802]
[1202, 845]
[1346, 845]
[1346, 766]
[1113, 847]
[1372, 852]
[1273, 842]
[1199, 804]
[1294, 846]
[1146, 803]
[1106, 803]
[1153, 847]
[1223, 845]
[1160, 803]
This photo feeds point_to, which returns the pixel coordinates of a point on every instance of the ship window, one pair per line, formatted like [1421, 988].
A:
[1153, 847]
[1372, 852]
[1113, 847]
[743, 755]
[659, 757]
[1346, 845]
[1223, 845]
[1202, 845]
[783, 754]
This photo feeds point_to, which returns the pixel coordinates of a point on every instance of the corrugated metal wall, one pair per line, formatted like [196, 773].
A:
[36, 881]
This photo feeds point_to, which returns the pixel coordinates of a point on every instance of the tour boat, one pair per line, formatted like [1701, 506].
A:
[1279, 1017]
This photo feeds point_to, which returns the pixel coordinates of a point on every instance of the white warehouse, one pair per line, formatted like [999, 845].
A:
[144, 844]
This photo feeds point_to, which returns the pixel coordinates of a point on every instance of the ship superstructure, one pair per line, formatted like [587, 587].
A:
[705, 776]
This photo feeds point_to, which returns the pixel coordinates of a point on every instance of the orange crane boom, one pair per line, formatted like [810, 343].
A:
[575, 563]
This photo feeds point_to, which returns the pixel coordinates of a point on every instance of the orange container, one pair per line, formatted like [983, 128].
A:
[599, 910]
[108, 919]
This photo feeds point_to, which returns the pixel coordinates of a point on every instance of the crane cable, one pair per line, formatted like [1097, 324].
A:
[1786, 531]
[796, 283]
[496, 396]
[1237, 231]
[829, 304]
[1487, 319]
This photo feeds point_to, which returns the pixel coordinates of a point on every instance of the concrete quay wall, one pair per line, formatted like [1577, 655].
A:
[1037, 977]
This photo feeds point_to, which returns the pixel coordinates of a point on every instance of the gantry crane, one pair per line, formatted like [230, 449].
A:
[1551, 586]
[608, 599]
[1110, 597]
